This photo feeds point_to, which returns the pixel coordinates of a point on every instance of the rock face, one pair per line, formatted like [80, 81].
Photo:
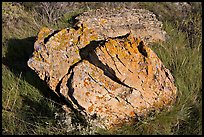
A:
[115, 79]
[117, 22]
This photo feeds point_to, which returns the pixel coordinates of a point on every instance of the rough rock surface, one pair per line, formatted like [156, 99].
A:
[115, 79]
[142, 23]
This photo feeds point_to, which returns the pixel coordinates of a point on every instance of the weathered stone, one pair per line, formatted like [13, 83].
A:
[117, 22]
[115, 79]
[56, 51]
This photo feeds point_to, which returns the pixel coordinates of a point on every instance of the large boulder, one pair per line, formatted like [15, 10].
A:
[114, 79]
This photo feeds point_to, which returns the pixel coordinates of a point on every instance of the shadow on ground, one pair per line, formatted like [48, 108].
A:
[18, 53]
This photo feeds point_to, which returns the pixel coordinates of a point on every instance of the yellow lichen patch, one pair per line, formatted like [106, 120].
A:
[35, 53]
[137, 41]
[85, 25]
[93, 37]
[75, 40]
[72, 31]
[84, 39]
[44, 32]
[60, 36]
[92, 73]
[62, 32]
[128, 47]
[86, 42]
[38, 59]
[126, 44]
[85, 29]
[131, 38]
[103, 21]
[112, 42]
[110, 48]
[134, 46]
[75, 60]
[120, 51]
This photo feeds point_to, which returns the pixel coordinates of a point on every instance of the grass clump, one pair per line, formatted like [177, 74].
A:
[25, 110]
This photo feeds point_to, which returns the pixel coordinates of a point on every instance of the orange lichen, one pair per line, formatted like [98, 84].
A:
[99, 97]
[87, 93]
[112, 87]
[132, 114]
[86, 82]
[90, 109]
[99, 109]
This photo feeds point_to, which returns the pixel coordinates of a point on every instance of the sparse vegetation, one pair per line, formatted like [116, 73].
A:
[28, 105]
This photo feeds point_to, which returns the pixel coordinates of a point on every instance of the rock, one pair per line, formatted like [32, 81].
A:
[117, 22]
[114, 80]
[56, 51]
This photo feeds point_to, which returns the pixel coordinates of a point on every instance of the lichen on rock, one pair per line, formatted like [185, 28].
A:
[116, 79]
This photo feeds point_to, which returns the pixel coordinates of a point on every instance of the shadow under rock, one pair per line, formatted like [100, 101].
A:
[18, 53]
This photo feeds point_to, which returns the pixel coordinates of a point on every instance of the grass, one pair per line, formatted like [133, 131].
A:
[24, 109]
[29, 106]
